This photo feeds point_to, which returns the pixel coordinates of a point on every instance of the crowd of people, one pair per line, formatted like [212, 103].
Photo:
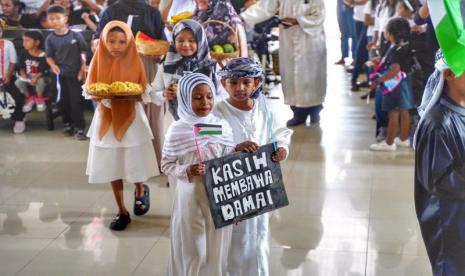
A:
[392, 44]
[393, 47]
[196, 91]
[419, 91]
[127, 141]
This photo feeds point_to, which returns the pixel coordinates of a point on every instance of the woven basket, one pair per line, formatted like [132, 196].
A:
[110, 94]
[233, 39]
[158, 48]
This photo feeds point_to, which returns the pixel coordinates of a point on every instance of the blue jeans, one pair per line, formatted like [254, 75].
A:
[345, 20]
[361, 55]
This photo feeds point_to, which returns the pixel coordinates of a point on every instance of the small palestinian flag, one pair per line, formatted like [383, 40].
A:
[207, 129]
[448, 17]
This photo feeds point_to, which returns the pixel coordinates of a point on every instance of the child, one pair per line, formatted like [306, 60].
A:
[440, 167]
[65, 51]
[8, 59]
[406, 9]
[197, 249]
[189, 52]
[253, 126]
[397, 100]
[120, 136]
[32, 68]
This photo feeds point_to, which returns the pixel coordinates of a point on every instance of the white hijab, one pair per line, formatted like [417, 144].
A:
[180, 138]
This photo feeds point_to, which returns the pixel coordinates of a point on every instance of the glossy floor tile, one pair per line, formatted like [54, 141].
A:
[351, 211]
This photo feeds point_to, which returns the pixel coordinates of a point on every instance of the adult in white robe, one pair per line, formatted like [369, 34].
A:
[302, 51]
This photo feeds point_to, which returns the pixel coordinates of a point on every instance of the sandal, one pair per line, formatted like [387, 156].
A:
[142, 205]
[120, 222]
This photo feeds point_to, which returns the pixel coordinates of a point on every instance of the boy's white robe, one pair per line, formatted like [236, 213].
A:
[250, 244]
[302, 48]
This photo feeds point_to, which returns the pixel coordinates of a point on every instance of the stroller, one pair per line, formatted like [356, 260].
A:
[266, 46]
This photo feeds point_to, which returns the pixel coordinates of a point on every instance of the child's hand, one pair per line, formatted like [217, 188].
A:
[279, 155]
[170, 92]
[55, 69]
[196, 170]
[247, 146]
[371, 45]
[289, 22]
[85, 16]
[33, 81]
[82, 73]
[373, 85]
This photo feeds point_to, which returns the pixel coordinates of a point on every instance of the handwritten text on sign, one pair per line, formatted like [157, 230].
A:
[244, 185]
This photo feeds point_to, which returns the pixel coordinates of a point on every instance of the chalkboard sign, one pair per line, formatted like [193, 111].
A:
[244, 185]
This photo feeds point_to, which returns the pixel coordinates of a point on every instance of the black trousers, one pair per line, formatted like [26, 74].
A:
[71, 102]
[304, 112]
[11, 88]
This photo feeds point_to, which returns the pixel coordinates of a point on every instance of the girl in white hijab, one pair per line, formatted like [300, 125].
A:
[196, 247]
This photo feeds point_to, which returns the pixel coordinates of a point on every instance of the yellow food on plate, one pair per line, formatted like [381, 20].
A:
[99, 87]
[123, 87]
[133, 87]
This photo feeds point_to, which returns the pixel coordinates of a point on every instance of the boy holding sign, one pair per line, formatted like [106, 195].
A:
[197, 249]
[253, 126]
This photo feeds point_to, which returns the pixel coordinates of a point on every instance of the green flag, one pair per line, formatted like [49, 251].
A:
[448, 17]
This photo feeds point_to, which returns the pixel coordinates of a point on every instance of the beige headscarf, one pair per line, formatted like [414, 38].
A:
[107, 69]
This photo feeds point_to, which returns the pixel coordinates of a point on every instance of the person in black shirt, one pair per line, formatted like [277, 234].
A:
[32, 68]
[440, 170]
[137, 14]
[65, 52]
[393, 83]
[427, 57]
[75, 17]
[12, 14]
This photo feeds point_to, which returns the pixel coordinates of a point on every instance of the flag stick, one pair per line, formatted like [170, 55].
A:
[198, 148]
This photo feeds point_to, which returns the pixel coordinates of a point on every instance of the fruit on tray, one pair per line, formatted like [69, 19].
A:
[218, 49]
[98, 87]
[123, 87]
[180, 16]
[141, 37]
[117, 87]
[228, 48]
[147, 45]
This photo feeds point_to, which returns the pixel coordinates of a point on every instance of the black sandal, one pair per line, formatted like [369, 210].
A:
[120, 222]
[142, 205]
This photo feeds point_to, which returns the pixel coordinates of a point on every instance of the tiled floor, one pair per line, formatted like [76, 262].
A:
[351, 211]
